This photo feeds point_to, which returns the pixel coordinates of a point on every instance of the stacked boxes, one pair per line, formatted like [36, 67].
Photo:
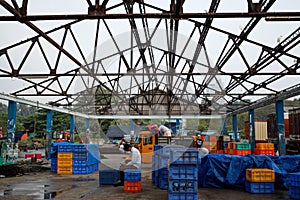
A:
[264, 148]
[183, 174]
[75, 158]
[260, 180]
[132, 180]
[239, 148]
[108, 176]
[294, 185]
[64, 163]
[160, 162]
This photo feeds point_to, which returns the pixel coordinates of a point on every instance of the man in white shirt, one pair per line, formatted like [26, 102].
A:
[134, 163]
[165, 131]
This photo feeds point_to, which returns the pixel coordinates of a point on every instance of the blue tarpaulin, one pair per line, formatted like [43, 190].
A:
[225, 171]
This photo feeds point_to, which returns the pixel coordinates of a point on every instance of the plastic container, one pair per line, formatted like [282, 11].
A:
[108, 176]
[132, 175]
[265, 146]
[294, 180]
[132, 186]
[260, 175]
[294, 192]
[183, 185]
[187, 156]
[64, 162]
[64, 155]
[163, 183]
[241, 152]
[264, 152]
[183, 172]
[65, 148]
[64, 170]
[259, 187]
[182, 196]
[242, 146]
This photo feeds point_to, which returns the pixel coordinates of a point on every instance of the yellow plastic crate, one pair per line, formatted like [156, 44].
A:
[265, 146]
[64, 170]
[67, 162]
[260, 175]
[65, 155]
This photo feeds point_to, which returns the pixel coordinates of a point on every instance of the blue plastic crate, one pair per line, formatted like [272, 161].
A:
[294, 192]
[80, 156]
[163, 162]
[163, 183]
[132, 175]
[108, 176]
[155, 163]
[294, 179]
[183, 185]
[79, 163]
[65, 148]
[259, 187]
[153, 176]
[188, 156]
[165, 149]
[80, 148]
[81, 169]
[182, 196]
[183, 171]
[163, 173]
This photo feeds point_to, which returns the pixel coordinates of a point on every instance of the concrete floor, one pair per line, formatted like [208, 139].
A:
[46, 185]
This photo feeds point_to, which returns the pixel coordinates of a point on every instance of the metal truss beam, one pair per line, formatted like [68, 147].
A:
[180, 16]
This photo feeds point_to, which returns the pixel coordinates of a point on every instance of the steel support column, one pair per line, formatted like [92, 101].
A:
[223, 132]
[11, 121]
[280, 127]
[177, 125]
[251, 129]
[48, 133]
[72, 128]
[234, 126]
[132, 127]
[87, 125]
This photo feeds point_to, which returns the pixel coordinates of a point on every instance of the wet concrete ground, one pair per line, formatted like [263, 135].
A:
[46, 185]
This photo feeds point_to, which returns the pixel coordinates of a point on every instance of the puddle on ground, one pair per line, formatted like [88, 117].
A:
[83, 179]
[38, 190]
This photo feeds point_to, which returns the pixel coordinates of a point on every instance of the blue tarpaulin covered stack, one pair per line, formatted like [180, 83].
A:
[225, 171]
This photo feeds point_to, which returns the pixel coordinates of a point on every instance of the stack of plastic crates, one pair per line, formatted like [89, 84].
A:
[160, 165]
[183, 174]
[264, 149]
[86, 158]
[155, 163]
[132, 180]
[260, 180]
[294, 185]
[241, 149]
[69, 158]
[108, 176]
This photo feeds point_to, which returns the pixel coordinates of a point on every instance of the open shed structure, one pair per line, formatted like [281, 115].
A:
[150, 58]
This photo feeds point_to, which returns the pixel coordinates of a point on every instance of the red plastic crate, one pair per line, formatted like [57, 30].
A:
[264, 152]
[241, 152]
[220, 151]
[38, 155]
[132, 186]
[29, 155]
